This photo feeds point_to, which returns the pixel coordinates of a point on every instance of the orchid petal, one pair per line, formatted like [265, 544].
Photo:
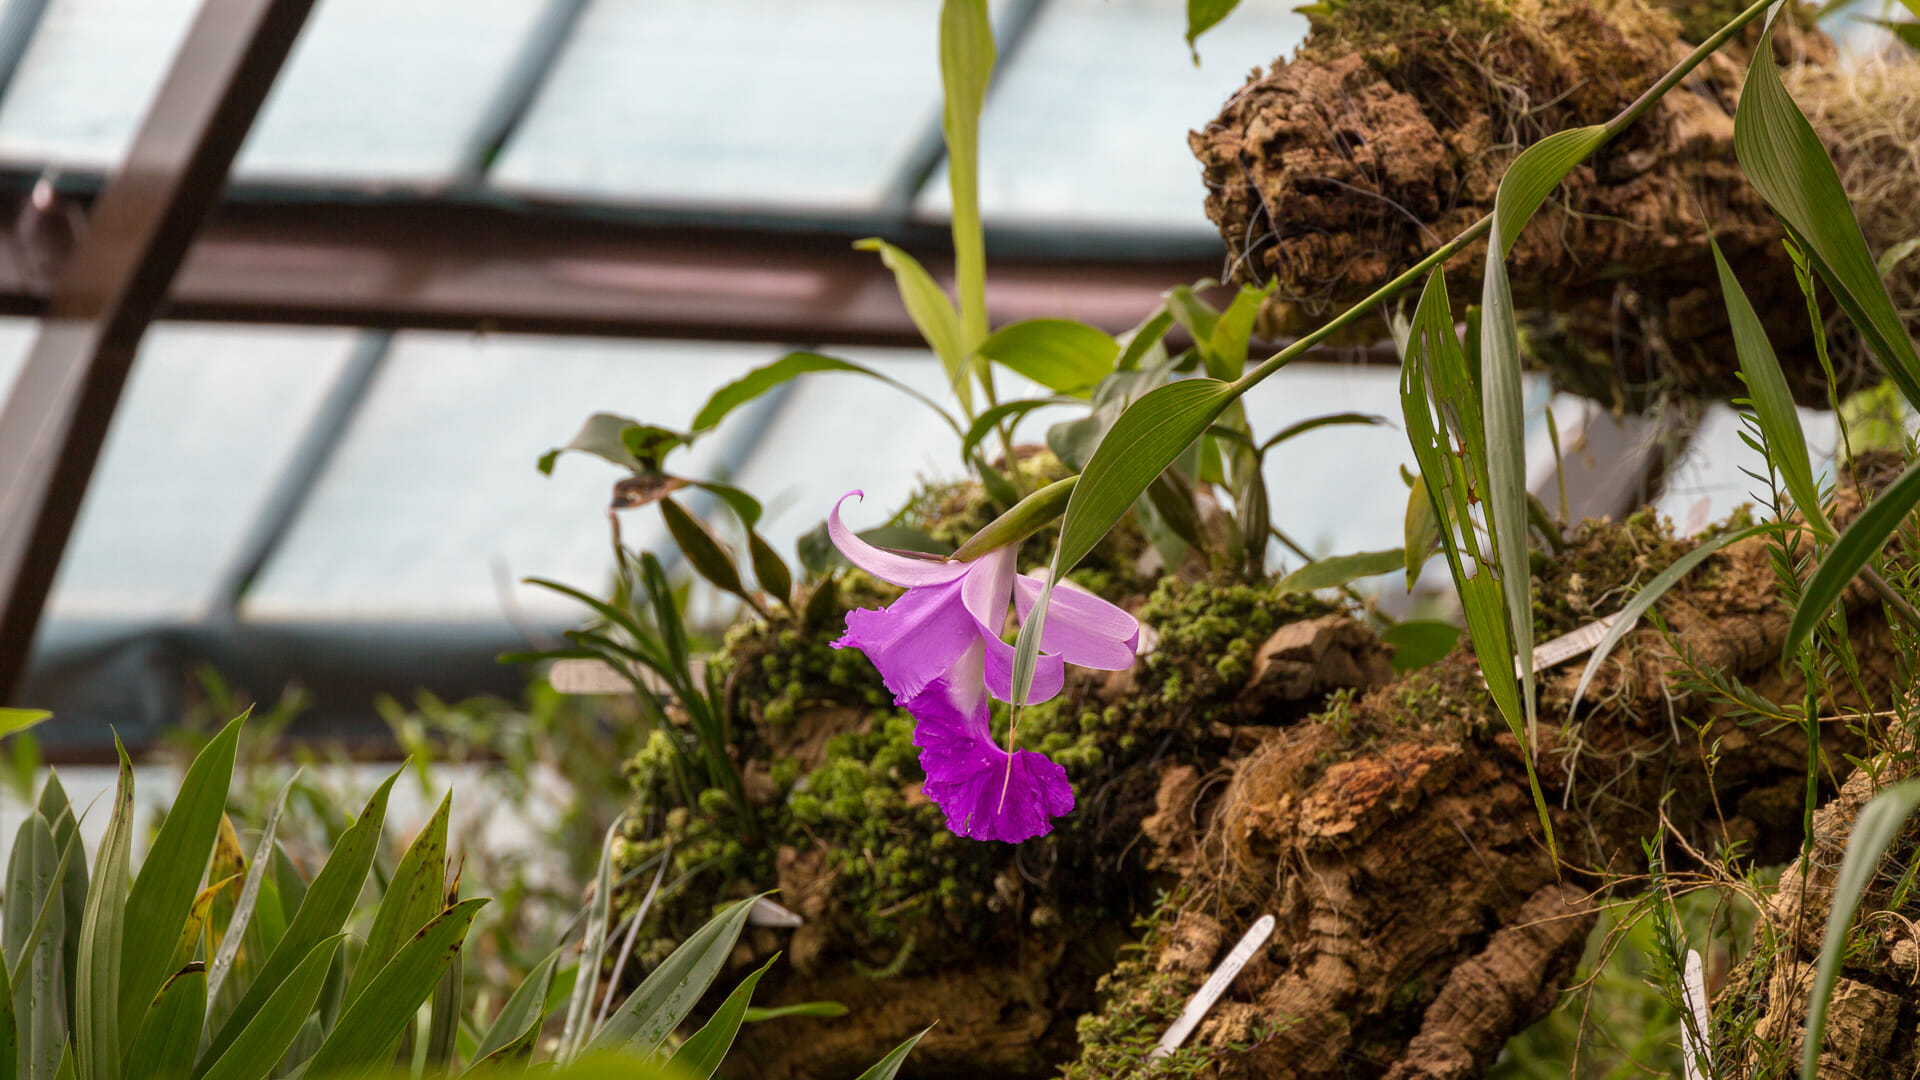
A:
[891, 567]
[916, 639]
[1082, 628]
[1049, 672]
[985, 792]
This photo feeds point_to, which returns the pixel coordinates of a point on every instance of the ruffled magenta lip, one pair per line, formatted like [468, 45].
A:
[939, 651]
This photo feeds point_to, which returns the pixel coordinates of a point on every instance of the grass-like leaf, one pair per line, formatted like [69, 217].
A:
[701, 1054]
[374, 1020]
[13, 721]
[888, 1067]
[96, 1023]
[415, 894]
[966, 68]
[593, 949]
[260, 1044]
[520, 1018]
[34, 969]
[795, 364]
[1855, 548]
[1786, 161]
[1880, 821]
[238, 923]
[644, 1020]
[169, 1035]
[163, 893]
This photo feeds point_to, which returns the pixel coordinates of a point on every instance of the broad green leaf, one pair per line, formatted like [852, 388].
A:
[1338, 570]
[322, 911]
[701, 1054]
[35, 968]
[1196, 316]
[1648, 595]
[593, 949]
[1147, 437]
[96, 1034]
[520, 1018]
[927, 305]
[1419, 642]
[1857, 546]
[1527, 183]
[1880, 821]
[744, 506]
[258, 1046]
[1772, 400]
[73, 889]
[1062, 355]
[888, 1067]
[599, 436]
[1141, 341]
[1007, 412]
[769, 569]
[1226, 346]
[234, 934]
[372, 1021]
[966, 68]
[1022, 520]
[760, 380]
[1204, 15]
[826, 1009]
[643, 1021]
[14, 721]
[163, 893]
[1786, 161]
[703, 550]
[169, 1034]
[415, 894]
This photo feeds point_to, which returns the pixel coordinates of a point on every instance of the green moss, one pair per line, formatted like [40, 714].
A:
[1356, 24]
[1599, 569]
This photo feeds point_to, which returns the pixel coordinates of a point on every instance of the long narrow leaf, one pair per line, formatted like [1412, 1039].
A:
[243, 908]
[1338, 570]
[927, 305]
[37, 1001]
[795, 364]
[593, 950]
[59, 813]
[260, 1044]
[1854, 549]
[888, 1067]
[169, 878]
[700, 1056]
[413, 897]
[520, 1018]
[169, 1034]
[1879, 823]
[669, 992]
[966, 68]
[96, 1034]
[374, 1019]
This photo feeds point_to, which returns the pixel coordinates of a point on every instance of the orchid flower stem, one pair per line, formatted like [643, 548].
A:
[1480, 228]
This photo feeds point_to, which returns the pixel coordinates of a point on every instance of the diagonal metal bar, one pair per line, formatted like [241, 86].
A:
[516, 94]
[54, 421]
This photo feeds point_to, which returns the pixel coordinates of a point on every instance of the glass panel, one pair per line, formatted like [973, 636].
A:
[16, 337]
[205, 427]
[1088, 125]
[734, 101]
[387, 90]
[87, 77]
[1711, 480]
[433, 500]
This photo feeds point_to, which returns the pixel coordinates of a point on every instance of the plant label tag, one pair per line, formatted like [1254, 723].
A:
[1567, 646]
[587, 677]
[1210, 991]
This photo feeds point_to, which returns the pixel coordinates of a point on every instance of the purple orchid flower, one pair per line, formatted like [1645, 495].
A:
[939, 650]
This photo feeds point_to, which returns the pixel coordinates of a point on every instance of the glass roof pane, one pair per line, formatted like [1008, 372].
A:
[16, 336]
[433, 496]
[733, 101]
[384, 90]
[206, 425]
[1711, 480]
[87, 77]
[1088, 123]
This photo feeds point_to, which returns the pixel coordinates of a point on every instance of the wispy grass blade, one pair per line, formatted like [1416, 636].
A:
[243, 908]
[1855, 548]
[96, 1023]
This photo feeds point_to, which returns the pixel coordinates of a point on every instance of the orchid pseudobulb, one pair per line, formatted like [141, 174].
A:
[939, 651]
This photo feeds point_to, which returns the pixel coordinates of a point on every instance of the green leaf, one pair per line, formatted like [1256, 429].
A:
[593, 947]
[35, 969]
[1196, 316]
[1786, 161]
[1419, 642]
[1022, 520]
[704, 552]
[927, 305]
[744, 506]
[1226, 347]
[791, 366]
[966, 68]
[520, 1018]
[170, 1034]
[1331, 573]
[701, 1054]
[414, 896]
[1422, 531]
[1771, 399]
[1008, 412]
[259, 1045]
[322, 911]
[241, 921]
[1880, 821]
[1854, 549]
[825, 1009]
[1147, 437]
[599, 436]
[888, 1067]
[1314, 423]
[1142, 340]
[1062, 355]
[73, 890]
[96, 1034]
[169, 879]
[374, 1020]
[1204, 15]
[643, 1021]
[1527, 183]
[14, 721]
[769, 569]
